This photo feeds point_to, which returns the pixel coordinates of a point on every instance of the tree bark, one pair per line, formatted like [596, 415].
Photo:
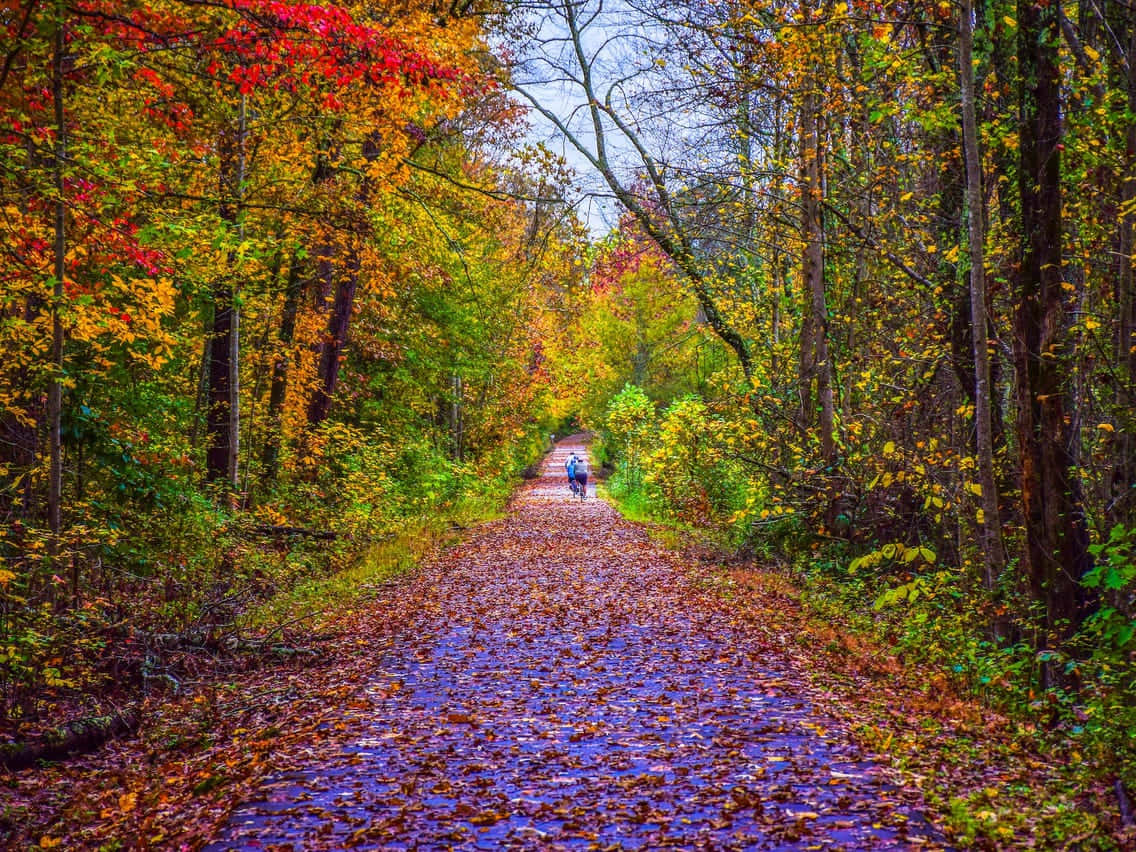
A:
[1123, 485]
[223, 416]
[330, 351]
[220, 392]
[1056, 539]
[993, 553]
[815, 363]
[55, 386]
[346, 283]
[270, 459]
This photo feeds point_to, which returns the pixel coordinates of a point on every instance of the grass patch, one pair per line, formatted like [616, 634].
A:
[636, 506]
[316, 603]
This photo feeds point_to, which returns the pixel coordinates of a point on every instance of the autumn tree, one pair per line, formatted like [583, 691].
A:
[566, 45]
[234, 237]
[1056, 541]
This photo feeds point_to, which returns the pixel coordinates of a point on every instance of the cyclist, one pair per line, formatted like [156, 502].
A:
[581, 475]
[570, 468]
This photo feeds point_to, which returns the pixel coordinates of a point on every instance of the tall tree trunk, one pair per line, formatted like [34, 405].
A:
[330, 349]
[1056, 546]
[992, 547]
[223, 417]
[219, 342]
[279, 390]
[995, 72]
[457, 419]
[20, 422]
[335, 339]
[1123, 491]
[55, 386]
[815, 363]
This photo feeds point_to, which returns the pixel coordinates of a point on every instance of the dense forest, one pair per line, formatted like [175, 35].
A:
[287, 285]
[870, 313]
[276, 281]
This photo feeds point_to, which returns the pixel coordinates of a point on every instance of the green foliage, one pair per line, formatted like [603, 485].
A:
[1105, 658]
[632, 499]
[629, 429]
[689, 468]
[1115, 568]
[189, 568]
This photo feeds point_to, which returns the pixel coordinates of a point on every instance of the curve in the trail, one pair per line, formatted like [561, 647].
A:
[562, 683]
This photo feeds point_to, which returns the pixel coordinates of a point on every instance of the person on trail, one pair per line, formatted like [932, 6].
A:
[570, 469]
[581, 474]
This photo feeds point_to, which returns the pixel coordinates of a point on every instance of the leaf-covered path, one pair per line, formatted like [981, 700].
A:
[560, 681]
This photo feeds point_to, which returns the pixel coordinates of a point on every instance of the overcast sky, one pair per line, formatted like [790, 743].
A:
[566, 100]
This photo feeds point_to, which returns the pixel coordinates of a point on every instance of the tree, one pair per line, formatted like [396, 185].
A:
[1056, 540]
[815, 360]
[993, 548]
[565, 43]
[59, 251]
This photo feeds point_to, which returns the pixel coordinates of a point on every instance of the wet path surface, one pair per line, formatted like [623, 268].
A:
[563, 683]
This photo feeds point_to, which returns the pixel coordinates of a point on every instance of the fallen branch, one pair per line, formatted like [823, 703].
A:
[260, 643]
[78, 737]
[271, 530]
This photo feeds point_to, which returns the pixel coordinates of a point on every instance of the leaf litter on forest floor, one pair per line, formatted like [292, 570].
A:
[556, 681]
[572, 687]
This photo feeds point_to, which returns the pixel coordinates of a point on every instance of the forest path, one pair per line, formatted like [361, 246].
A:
[561, 681]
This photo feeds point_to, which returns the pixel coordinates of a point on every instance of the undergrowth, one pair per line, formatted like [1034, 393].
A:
[169, 590]
[317, 603]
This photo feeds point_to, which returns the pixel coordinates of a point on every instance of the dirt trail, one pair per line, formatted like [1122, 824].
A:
[562, 682]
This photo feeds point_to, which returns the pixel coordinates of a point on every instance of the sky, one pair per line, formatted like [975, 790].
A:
[596, 206]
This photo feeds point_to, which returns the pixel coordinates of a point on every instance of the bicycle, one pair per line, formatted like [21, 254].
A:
[574, 486]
